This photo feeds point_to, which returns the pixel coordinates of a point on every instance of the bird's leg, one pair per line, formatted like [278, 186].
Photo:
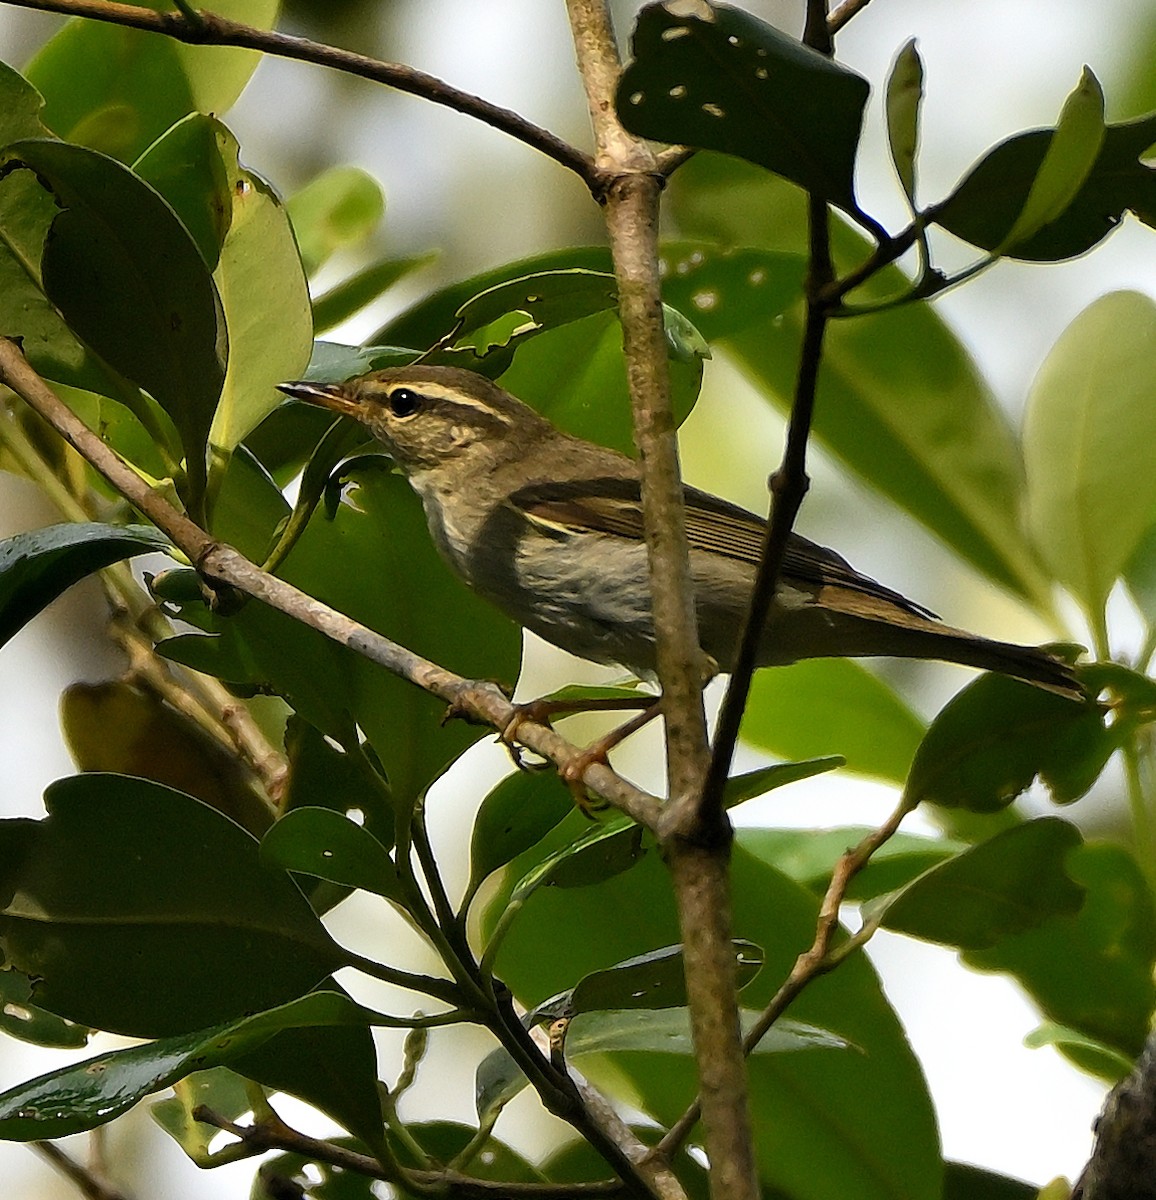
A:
[571, 774]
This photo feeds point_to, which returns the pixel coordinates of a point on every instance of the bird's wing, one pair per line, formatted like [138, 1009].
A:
[613, 505]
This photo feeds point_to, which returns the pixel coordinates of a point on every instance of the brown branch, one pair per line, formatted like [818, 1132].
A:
[275, 1135]
[209, 29]
[844, 13]
[87, 1182]
[483, 702]
[697, 851]
[1123, 1162]
[819, 959]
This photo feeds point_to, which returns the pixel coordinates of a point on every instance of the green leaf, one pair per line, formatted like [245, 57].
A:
[218, 1088]
[903, 103]
[266, 302]
[37, 567]
[515, 815]
[1092, 1055]
[1070, 156]
[119, 89]
[321, 842]
[987, 204]
[717, 78]
[994, 737]
[864, 1117]
[962, 1181]
[339, 208]
[663, 1031]
[900, 400]
[651, 981]
[1011, 883]
[1090, 423]
[833, 706]
[544, 300]
[21, 1018]
[576, 375]
[184, 164]
[573, 373]
[1093, 970]
[116, 727]
[741, 788]
[116, 236]
[93, 1092]
[140, 910]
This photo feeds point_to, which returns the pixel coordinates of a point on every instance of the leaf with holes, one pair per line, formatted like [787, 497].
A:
[714, 77]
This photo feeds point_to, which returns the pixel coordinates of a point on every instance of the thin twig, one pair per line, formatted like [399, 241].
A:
[844, 13]
[137, 625]
[209, 29]
[275, 1135]
[819, 959]
[482, 702]
[87, 1182]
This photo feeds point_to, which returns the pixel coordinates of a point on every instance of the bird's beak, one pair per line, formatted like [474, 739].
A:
[326, 395]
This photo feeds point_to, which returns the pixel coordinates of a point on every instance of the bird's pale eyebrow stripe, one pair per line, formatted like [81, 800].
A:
[462, 400]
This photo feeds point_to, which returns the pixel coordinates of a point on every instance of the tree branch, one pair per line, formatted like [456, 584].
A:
[482, 702]
[275, 1135]
[209, 29]
[697, 851]
[87, 1182]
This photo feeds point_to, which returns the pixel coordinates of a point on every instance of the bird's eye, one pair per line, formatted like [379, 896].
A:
[404, 402]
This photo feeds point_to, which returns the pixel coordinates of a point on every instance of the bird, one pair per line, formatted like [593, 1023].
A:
[548, 527]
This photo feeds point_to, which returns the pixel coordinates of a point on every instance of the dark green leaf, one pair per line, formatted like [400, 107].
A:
[95, 1091]
[321, 842]
[865, 1116]
[516, 815]
[663, 1031]
[22, 1019]
[37, 567]
[904, 100]
[962, 1181]
[1014, 882]
[741, 788]
[651, 981]
[1110, 943]
[140, 910]
[986, 205]
[717, 78]
[116, 236]
[993, 738]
